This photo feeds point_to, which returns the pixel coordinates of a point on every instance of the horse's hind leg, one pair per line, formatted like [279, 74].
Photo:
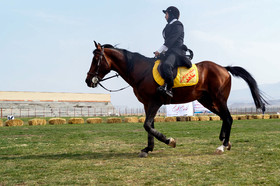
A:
[219, 107]
[226, 129]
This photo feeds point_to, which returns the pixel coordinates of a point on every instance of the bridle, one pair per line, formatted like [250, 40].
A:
[96, 79]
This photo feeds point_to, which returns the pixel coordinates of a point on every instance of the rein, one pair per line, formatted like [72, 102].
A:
[116, 75]
[113, 90]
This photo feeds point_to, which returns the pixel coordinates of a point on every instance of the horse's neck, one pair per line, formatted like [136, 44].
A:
[130, 71]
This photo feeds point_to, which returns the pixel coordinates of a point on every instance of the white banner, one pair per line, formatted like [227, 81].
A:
[198, 108]
[185, 109]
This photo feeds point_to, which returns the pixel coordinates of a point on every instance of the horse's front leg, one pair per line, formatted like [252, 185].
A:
[151, 144]
[152, 132]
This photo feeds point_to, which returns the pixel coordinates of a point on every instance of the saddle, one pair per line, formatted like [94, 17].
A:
[182, 76]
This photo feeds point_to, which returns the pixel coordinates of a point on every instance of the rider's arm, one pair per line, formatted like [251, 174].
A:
[163, 48]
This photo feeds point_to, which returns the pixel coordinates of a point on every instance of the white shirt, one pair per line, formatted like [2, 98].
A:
[164, 48]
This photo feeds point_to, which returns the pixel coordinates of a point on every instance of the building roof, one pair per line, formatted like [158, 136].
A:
[53, 96]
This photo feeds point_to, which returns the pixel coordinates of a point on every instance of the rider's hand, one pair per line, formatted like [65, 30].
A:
[156, 53]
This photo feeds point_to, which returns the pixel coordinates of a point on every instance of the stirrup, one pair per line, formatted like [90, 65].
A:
[163, 90]
[169, 93]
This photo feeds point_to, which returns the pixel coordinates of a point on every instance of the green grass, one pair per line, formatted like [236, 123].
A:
[107, 154]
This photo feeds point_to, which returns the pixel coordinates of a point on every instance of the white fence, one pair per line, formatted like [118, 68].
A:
[105, 111]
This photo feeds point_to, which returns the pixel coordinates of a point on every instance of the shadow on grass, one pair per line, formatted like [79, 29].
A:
[95, 155]
[74, 156]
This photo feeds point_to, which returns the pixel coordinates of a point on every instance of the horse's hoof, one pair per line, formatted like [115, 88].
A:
[172, 142]
[143, 154]
[229, 146]
[220, 150]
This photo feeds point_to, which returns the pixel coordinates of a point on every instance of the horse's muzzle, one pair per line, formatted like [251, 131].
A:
[92, 82]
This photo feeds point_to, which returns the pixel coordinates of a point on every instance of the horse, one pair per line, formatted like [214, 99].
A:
[212, 90]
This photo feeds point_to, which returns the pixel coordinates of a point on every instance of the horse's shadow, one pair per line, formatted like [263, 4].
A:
[74, 156]
[89, 155]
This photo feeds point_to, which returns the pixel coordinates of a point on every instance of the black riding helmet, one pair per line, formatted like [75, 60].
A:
[172, 11]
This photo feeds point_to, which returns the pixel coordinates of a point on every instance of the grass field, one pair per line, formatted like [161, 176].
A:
[107, 154]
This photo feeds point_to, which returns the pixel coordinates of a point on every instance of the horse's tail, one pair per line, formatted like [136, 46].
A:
[244, 74]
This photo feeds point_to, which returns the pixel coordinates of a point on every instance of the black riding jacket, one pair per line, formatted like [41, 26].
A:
[173, 35]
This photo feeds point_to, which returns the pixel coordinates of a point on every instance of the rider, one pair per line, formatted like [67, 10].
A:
[173, 51]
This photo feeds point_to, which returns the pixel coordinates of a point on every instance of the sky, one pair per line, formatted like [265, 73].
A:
[47, 46]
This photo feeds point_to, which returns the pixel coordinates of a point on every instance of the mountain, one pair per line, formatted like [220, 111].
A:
[243, 97]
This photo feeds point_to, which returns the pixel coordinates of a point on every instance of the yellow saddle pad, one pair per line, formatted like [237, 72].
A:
[185, 76]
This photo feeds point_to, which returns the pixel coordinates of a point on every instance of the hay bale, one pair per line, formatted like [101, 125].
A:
[1, 123]
[266, 116]
[203, 118]
[215, 118]
[14, 122]
[234, 117]
[242, 117]
[170, 119]
[249, 116]
[274, 116]
[141, 119]
[181, 118]
[94, 120]
[258, 116]
[131, 120]
[57, 121]
[192, 118]
[159, 119]
[76, 121]
[114, 120]
[36, 121]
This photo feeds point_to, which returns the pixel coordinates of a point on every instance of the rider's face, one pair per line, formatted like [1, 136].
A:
[166, 16]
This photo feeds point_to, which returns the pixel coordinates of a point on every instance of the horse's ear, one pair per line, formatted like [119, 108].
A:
[95, 44]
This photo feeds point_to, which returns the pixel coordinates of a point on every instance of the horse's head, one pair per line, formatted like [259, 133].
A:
[99, 66]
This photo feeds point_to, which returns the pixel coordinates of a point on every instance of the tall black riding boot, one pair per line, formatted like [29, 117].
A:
[168, 90]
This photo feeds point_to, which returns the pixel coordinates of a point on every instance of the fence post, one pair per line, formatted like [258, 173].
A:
[1, 113]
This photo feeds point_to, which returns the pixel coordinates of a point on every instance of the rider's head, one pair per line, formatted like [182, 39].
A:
[172, 13]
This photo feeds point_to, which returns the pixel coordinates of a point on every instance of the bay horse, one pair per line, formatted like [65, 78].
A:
[212, 89]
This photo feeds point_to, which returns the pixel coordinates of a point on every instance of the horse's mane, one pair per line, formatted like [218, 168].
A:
[131, 57]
